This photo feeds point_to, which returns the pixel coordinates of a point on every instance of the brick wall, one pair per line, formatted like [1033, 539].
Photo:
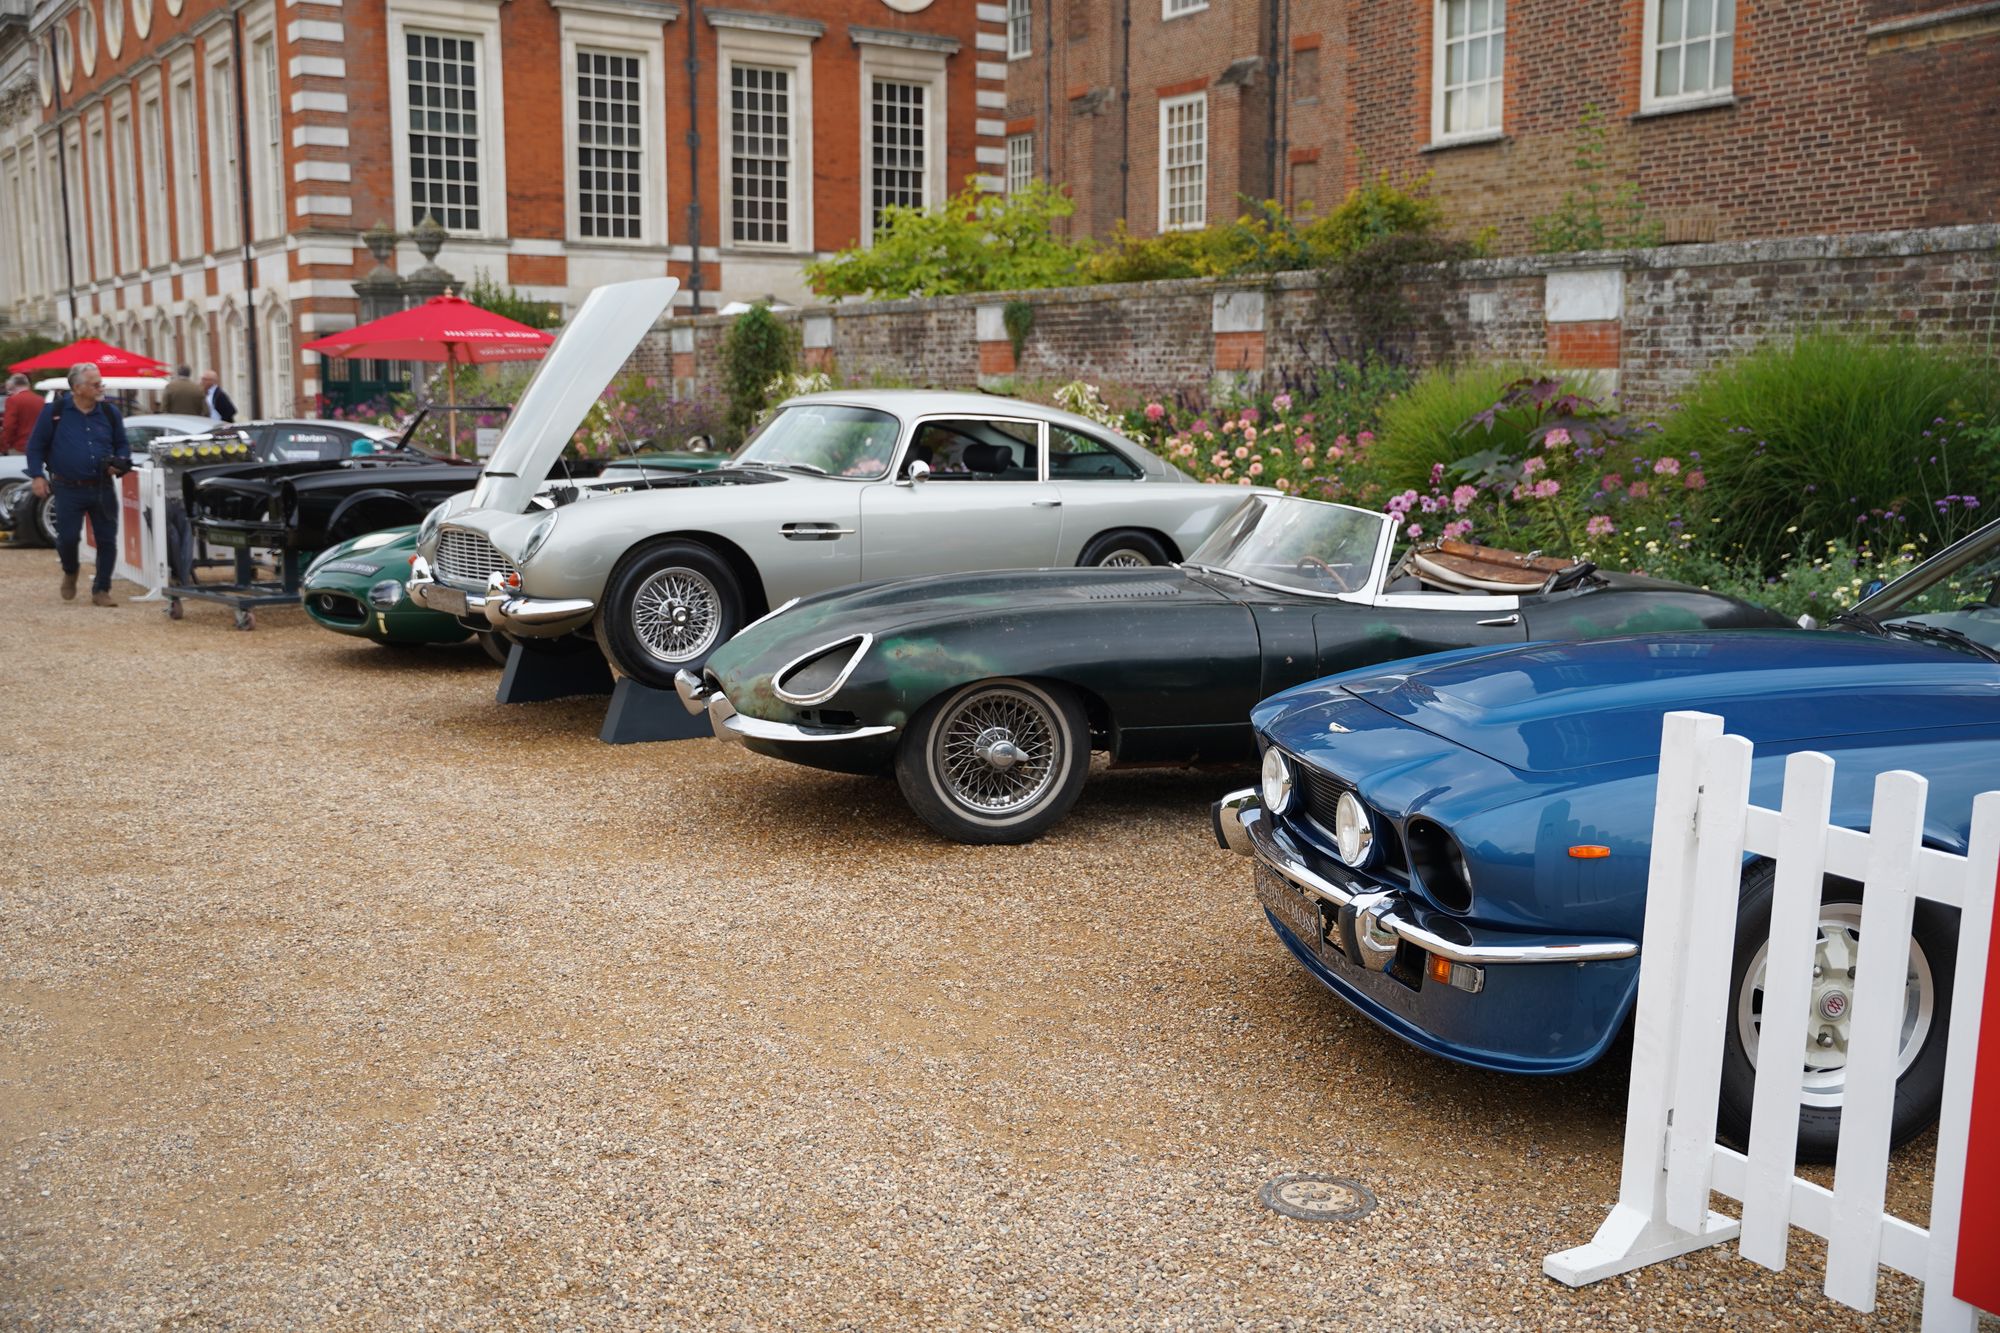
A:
[1653, 319]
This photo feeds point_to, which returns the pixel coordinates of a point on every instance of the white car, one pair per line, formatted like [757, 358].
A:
[834, 489]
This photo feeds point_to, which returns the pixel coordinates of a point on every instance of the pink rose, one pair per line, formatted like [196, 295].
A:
[1249, 432]
[1256, 469]
[1242, 451]
[1243, 481]
[1306, 462]
[1154, 411]
[1284, 483]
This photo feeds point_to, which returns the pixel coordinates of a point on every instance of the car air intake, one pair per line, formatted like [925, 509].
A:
[1126, 592]
[467, 559]
[1439, 865]
[816, 676]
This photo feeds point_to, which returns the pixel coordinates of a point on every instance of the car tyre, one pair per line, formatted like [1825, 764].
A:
[1126, 549]
[666, 609]
[494, 647]
[1926, 1030]
[960, 781]
[44, 526]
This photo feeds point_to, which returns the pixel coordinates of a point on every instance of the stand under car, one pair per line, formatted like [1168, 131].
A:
[245, 592]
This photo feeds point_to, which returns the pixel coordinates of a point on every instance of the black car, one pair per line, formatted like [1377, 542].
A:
[986, 693]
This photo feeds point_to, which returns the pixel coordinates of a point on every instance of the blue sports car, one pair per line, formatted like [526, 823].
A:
[1457, 845]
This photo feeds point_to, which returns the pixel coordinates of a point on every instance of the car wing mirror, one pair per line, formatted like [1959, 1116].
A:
[1808, 622]
[917, 472]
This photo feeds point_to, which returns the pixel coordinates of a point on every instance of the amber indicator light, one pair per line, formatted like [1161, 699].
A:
[1589, 852]
[1440, 970]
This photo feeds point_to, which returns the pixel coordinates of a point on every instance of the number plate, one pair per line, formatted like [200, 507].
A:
[451, 601]
[1310, 920]
[237, 541]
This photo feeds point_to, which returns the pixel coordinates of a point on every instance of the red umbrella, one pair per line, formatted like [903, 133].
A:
[111, 360]
[445, 328]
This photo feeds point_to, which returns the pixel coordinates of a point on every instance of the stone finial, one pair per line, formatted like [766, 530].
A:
[381, 241]
[430, 237]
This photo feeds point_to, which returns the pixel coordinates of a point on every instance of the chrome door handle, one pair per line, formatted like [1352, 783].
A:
[1501, 623]
[1047, 504]
[814, 532]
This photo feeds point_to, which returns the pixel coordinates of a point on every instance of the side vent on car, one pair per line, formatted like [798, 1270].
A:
[1126, 592]
[817, 675]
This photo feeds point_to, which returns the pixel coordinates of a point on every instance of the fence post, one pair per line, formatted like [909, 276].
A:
[1636, 1233]
[1774, 1107]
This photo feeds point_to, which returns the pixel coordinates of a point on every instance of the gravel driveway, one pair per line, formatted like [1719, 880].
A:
[333, 994]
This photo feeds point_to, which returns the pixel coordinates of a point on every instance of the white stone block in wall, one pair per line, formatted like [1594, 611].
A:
[993, 99]
[992, 13]
[1238, 312]
[819, 331]
[325, 204]
[990, 323]
[325, 67]
[322, 171]
[680, 338]
[993, 41]
[1579, 295]
[989, 129]
[989, 69]
[315, 30]
[319, 136]
[340, 255]
[990, 184]
[991, 156]
[318, 101]
[1482, 307]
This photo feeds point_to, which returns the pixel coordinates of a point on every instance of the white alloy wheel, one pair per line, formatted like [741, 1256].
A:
[1823, 1062]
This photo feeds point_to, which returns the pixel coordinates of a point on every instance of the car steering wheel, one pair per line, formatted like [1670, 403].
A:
[1312, 564]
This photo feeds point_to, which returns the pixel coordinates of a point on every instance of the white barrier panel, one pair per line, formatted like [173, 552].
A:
[1703, 824]
[142, 530]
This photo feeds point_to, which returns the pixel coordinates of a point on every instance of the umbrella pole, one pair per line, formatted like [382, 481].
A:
[451, 398]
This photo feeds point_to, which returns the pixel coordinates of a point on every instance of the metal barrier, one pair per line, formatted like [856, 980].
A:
[1703, 825]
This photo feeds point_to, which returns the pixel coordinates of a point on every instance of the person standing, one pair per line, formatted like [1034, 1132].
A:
[78, 445]
[183, 397]
[18, 420]
[219, 408]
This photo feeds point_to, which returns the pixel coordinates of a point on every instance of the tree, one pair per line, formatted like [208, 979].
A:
[973, 242]
[756, 351]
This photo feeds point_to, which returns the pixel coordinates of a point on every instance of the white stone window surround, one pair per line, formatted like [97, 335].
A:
[219, 160]
[184, 137]
[1717, 43]
[1020, 29]
[153, 164]
[1489, 44]
[1190, 212]
[479, 22]
[1173, 9]
[142, 18]
[103, 260]
[633, 28]
[772, 42]
[124, 201]
[266, 124]
[114, 27]
[1020, 161]
[86, 36]
[903, 57]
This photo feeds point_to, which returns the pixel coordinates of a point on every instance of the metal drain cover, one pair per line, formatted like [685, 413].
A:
[1312, 1197]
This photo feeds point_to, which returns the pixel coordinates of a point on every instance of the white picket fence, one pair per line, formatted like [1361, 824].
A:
[1703, 824]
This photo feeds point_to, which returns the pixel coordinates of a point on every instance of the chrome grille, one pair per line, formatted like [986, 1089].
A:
[1320, 792]
[466, 559]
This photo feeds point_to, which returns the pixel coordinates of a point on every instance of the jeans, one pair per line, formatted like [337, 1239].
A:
[100, 502]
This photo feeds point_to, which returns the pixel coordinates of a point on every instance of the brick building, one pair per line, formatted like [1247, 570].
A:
[1736, 118]
[219, 162]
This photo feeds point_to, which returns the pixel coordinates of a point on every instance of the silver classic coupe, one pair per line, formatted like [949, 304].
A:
[833, 489]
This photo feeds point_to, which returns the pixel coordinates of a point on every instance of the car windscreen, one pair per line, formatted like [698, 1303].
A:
[1300, 545]
[1953, 590]
[826, 438]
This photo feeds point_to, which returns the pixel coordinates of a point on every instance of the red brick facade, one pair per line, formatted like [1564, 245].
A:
[328, 106]
[1841, 117]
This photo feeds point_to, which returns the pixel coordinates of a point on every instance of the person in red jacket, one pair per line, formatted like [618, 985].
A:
[18, 421]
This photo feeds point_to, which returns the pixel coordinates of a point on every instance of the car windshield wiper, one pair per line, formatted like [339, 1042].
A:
[801, 467]
[1917, 629]
[1861, 620]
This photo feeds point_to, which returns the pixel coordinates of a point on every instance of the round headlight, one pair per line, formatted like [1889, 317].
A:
[427, 532]
[1353, 834]
[1277, 783]
[384, 595]
[537, 535]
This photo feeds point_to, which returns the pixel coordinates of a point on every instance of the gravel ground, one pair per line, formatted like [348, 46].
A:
[334, 994]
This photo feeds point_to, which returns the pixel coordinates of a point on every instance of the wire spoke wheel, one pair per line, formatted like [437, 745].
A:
[677, 614]
[999, 750]
[1823, 1061]
[1124, 558]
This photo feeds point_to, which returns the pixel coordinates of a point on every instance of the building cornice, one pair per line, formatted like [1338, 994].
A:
[744, 19]
[908, 41]
[659, 11]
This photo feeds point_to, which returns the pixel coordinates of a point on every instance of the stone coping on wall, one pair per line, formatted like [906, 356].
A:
[1968, 238]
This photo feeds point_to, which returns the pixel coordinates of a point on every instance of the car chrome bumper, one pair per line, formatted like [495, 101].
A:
[523, 617]
[698, 696]
[1243, 826]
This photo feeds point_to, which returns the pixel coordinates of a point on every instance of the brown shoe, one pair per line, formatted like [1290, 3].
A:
[102, 599]
[69, 587]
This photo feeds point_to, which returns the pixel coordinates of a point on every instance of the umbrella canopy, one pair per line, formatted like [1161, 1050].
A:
[444, 328]
[111, 360]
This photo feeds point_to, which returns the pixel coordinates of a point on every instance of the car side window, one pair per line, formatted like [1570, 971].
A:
[977, 449]
[1077, 457]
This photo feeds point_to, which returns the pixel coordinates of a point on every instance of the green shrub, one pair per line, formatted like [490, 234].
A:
[1371, 213]
[24, 345]
[1427, 423]
[756, 350]
[1594, 215]
[503, 300]
[972, 242]
[1842, 438]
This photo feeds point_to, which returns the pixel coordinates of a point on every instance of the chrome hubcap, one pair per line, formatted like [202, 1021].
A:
[998, 751]
[1830, 1005]
[1123, 558]
[677, 614]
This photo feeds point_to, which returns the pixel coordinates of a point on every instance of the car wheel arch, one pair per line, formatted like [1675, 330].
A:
[1103, 723]
[354, 502]
[1166, 542]
[749, 581]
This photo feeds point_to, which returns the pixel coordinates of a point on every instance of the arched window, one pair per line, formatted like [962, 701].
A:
[194, 344]
[277, 359]
[231, 354]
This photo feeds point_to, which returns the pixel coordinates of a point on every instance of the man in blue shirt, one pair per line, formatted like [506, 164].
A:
[78, 445]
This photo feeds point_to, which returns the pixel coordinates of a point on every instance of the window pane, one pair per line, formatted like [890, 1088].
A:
[1724, 63]
[1455, 16]
[1670, 20]
[760, 123]
[608, 146]
[442, 139]
[1697, 18]
[1669, 79]
[1694, 68]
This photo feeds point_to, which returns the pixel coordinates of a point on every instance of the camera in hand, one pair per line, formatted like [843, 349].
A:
[116, 467]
